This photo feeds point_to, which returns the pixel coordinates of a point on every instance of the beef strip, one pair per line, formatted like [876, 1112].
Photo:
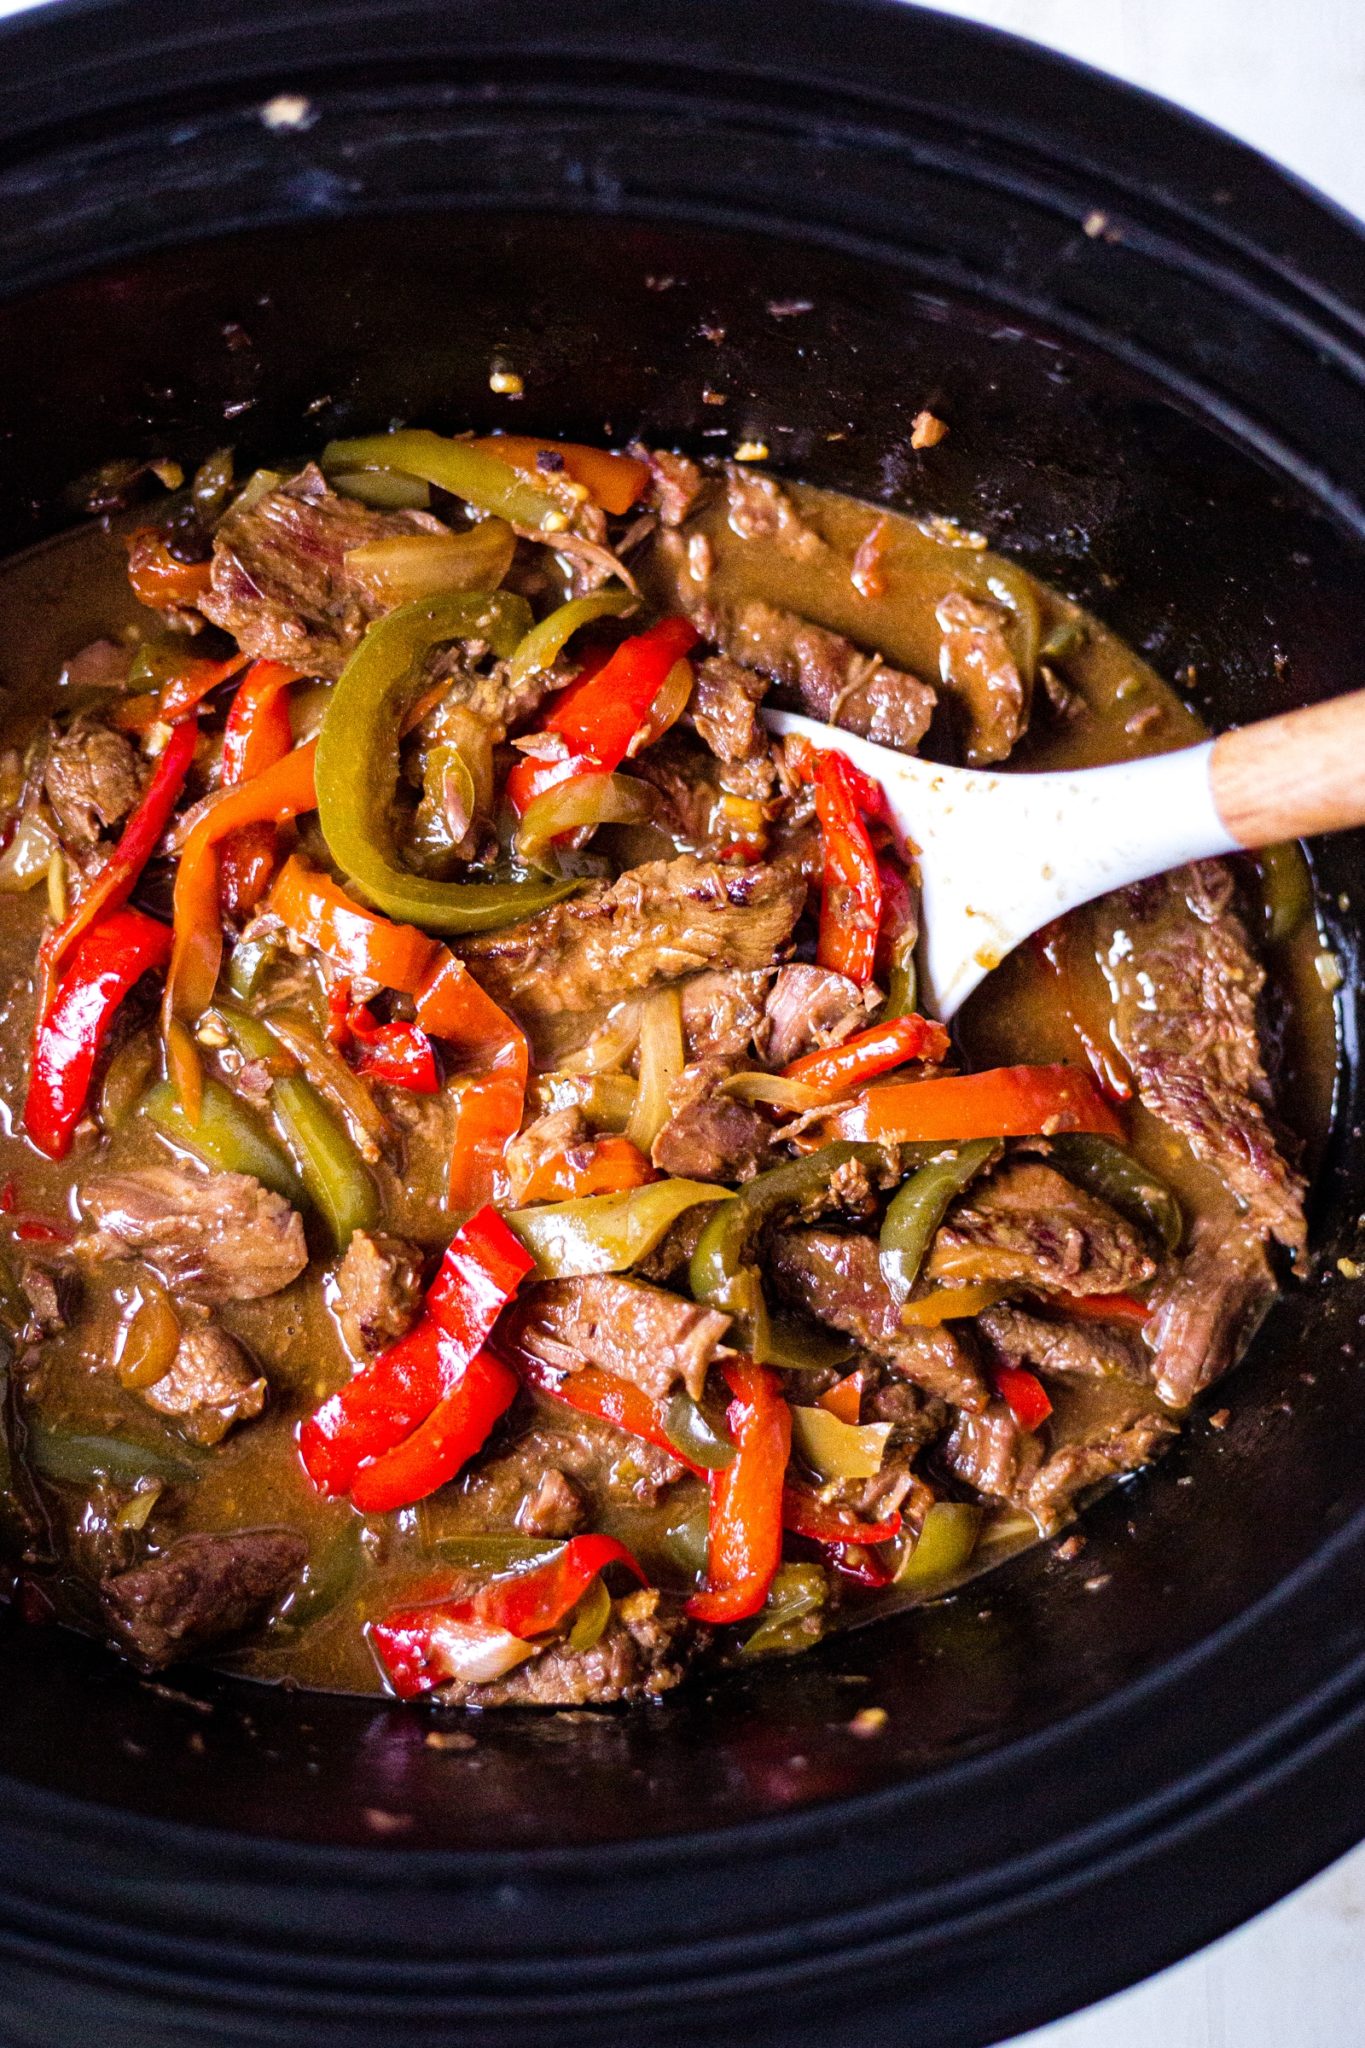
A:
[1071, 1350]
[757, 508]
[992, 1454]
[1028, 1225]
[822, 673]
[280, 584]
[1185, 989]
[672, 1255]
[211, 1385]
[604, 1461]
[640, 1333]
[722, 1011]
[556, 1508]
[710, 1136]
[838, 1280]
[1205, 1313]
[980, 676]
[724, 707]
[215, 1237]
[44, 1288]
[203, 1590]
[656, 923]
[643, 1651]
[809, 1008]
[93, 779]
[676, 484]
[376, 1291]
[687, 793]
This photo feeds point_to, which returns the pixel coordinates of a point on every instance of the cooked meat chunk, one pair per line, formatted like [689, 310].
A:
[215, 1237]
[676, 484]
[990, 1452]
[556, 1508]
[809, 1008]
[1052, 1494]
[211, 1385]
[822, 674]
[43, 1288]
[1204, 1314]
[916, 1418]
[687, 792]
[980, 676]
[757, 508]
[838, 1280]
[609, 1465]
[722, 1011]
[657, 923]
[673, 1253]
[640, 1333]
[710, 1136]
[281, 586]
[1028, 1225]
[1185, 989]
[1091, 1350]
[642, 1652]
[93, 779]
[725, 701]
[202, 1591]
[376, 1291]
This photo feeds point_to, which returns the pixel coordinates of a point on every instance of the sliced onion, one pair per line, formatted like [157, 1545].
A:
[331, 1076]
[409, 566]
[581, 803]
[474, 1652]
[667, 708]
[662, 1059]
[610, 1045]
[774, 1089]
[25, 861]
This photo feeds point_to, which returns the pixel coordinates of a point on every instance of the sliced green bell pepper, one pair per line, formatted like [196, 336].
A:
[227, 1136]
[1115, 1176]
[918, 1208]
[606, 1233]
[482, 480]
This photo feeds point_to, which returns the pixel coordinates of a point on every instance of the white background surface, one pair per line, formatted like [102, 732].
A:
[1288, 76]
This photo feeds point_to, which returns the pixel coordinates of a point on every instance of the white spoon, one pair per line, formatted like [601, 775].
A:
[1001, 855]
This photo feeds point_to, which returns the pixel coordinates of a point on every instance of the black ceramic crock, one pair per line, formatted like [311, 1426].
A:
[271, 222]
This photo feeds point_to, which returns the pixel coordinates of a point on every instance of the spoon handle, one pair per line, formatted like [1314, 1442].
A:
[1292, 776]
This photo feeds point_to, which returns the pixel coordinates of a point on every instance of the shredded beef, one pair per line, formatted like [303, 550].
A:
[722, 1011]
[1185, 990]
[640, 1333]
[822, 673]
[376, 1291]
[657, 923]
[556, 1508]
[992, 1454]
[280, 584]
[211, 1385]
[215, 1237]
[676, 484]
[93, 779]
[1029, 1225]
[980, 676]
[724, 707]
[1204, 1314]
[203, 1590]
[608, 1464]
[838, 1280]
[1091, 1350]
[710, 1136]
[808, 1009]
[757, 508]
[642, 1652]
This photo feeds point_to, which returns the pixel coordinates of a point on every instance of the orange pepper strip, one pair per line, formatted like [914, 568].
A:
[1000, 1102]
[158, 579]
[364, 944]
[258, 732]
[614, 481]
[281, 792]
[851, 886]
[842, 1068]
[607, 1167]
[744, 1541]
[845, 1398]
[1101, 1308]
[488, 1106]
[194, 680]
[947, 1304]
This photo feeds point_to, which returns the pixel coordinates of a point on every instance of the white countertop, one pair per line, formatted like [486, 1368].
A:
[1288, 76]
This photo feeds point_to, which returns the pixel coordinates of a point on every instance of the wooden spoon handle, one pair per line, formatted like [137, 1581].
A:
[1289, 777]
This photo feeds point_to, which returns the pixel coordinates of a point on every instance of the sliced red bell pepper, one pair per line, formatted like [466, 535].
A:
[861, 1565]
[998, 1102]
[1024, 1394]
[591, 1391]
[246, 866]
[258, 732]
[384, 1403]
[805, 1514]
[598, 716]
[458, 1426]
[399, 1054]
[319, 911]
[523, 1605]
[842, 1068]
[1101, 1308]
[489, 1104]
[604, 1167]
[851, 898]
[108, 959]
[114, 883]
[744, 1542]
